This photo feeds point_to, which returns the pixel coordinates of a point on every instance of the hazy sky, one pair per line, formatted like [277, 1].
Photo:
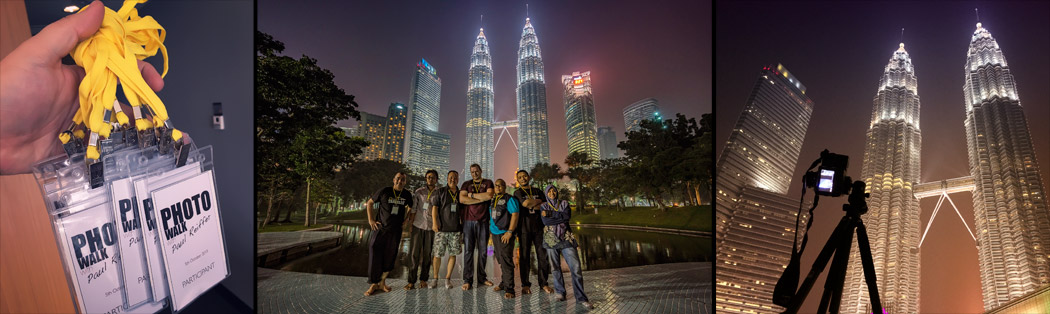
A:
[633, 49]
[839, 50]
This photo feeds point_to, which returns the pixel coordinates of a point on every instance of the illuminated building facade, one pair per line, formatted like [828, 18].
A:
[394, 142]
[890, 171]
[423, 113]
[580, 124]
[645, 109]
[607, 143]
[754, 217]
[373, 128]
[1010, 207]
[479, 146]
[532, 102]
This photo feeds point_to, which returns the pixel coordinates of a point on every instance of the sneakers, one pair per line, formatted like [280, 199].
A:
[588, 305]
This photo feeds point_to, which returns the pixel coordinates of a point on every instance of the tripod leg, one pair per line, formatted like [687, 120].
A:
[818, 267]
[869, 268]
[839, 266]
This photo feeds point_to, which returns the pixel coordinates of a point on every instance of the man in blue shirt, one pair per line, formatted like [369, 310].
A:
[503, 222]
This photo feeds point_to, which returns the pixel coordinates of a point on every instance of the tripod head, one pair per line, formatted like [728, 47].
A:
[857, 200]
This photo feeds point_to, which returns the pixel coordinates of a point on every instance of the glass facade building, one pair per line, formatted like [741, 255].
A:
[890, 172]
[478, 143]
[754, 217]
[607, 143]
[373, 128]
[581, 127]
[396, 119]
[423, 113]
[1010, 208]
[645, 109]
[533, 139]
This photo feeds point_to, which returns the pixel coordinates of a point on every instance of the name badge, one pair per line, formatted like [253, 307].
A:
[426, 207]
[394, 211]
[453, 207]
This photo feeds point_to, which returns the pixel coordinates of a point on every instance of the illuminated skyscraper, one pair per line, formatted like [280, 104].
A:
[607, 143]
[580, 125]
[479, 107]
[1010, 207]
[373, 129]
[396, 118]
[645, 109]
[532, 102]
[423, 114]
[891, 170]
[754, 217]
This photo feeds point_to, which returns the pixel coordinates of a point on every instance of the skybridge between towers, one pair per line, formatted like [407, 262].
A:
[502, 126]
[942, 189]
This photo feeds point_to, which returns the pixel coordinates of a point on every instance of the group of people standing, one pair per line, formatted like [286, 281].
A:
[446, 219]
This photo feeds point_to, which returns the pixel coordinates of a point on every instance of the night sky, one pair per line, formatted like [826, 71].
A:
[839, 50]
[633, 49]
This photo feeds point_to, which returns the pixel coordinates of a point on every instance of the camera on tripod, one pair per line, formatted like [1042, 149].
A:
[830, 179]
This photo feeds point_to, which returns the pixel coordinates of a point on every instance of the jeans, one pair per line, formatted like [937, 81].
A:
[573, 259]
[476, 238]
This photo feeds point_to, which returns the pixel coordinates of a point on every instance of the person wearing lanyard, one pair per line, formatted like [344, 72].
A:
[422, 242]
[530, 233]
[392, 203]
[447, 222]
[475, 194]
[559, 241]
[504, 222]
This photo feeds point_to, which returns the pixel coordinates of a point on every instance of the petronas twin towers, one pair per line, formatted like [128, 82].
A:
[531, 104]
[1010, 208]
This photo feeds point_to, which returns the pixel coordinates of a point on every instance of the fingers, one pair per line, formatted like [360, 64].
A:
[59, 38]
[152, 77]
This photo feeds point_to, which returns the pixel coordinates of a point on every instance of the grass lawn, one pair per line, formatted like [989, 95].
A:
[697, 218]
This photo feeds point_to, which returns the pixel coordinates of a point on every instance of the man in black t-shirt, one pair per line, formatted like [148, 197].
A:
[392, 203]
[447, 214]
[530, 233]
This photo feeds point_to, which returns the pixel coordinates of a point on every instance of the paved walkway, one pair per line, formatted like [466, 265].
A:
[662, 288]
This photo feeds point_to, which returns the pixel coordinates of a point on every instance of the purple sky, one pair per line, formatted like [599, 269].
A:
[633, 49]
[838, 50]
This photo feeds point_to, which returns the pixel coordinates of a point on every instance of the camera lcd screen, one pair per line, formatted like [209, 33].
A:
[827, 180]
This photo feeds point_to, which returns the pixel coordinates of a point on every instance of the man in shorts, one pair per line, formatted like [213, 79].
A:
[385, 221]
[447, 224]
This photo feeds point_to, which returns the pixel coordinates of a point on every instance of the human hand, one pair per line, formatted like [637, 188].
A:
[435, 227]
[544, 213]
[39, 95]
[506, 237]
[374, 224]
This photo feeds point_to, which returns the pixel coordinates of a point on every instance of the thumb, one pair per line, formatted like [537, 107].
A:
[59, 38]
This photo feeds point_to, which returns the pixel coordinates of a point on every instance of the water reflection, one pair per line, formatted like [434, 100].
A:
[599, 249]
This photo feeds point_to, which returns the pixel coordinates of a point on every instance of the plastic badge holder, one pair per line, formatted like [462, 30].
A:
[121, 168]
[190, 229]
[160, 175]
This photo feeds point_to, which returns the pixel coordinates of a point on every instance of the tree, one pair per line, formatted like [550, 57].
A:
[544, 174]
[296, 104]
[656, 150]
[359, 181]
[579, 170]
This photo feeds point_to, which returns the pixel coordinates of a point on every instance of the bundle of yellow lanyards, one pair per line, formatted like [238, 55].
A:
[110, 57]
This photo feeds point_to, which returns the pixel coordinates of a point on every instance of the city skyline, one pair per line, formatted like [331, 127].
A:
[443, 34]
[841, 56]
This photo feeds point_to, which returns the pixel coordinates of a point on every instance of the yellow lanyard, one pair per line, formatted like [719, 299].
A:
[496, 200]
[110, 57]
[477, 186]
[528, 191]
[397, 195]
[452, 195]
[429, 190]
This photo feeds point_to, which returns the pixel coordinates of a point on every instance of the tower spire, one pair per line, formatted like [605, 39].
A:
[526, 11]
[978, 14]
[902, 35]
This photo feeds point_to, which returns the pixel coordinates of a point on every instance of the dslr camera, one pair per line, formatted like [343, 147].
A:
[830, 179]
